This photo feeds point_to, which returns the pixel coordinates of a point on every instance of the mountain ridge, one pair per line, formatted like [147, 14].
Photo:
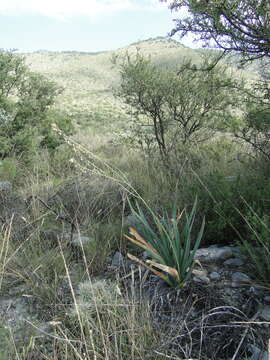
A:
[88, 79]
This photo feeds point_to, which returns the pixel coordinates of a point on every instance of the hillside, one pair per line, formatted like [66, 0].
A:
[148, 241]
[88, 78]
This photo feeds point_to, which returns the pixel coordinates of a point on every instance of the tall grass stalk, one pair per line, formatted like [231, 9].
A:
[257, 247]
[4, 250]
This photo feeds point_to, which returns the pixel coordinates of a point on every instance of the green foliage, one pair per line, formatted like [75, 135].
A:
[168, 240]
[50, 139]
[5, 343]
[238, 25]
[12, 69]
[25, 101]
[172, 108]
[218, 196]
[254, 127]
[221, 196]
[8, 169]
[257, 248]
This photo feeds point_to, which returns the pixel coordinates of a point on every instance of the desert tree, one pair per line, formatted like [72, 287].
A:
[175, 108]
[26, 108]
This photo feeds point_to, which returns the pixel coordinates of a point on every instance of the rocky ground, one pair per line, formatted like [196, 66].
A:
[221, 313]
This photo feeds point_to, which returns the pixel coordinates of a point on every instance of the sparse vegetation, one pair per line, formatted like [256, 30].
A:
[68, 289]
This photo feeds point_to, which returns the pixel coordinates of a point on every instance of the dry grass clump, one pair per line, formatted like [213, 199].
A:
[105, 324]
[87, 198]
[195, 322]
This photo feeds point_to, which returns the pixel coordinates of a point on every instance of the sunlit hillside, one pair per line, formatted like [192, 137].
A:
[88, 79]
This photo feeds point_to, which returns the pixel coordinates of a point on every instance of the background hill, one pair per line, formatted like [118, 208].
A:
[88, 79]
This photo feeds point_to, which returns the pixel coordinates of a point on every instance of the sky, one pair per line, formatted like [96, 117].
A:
[81, 25]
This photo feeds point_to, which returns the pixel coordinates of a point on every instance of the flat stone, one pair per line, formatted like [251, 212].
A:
[234, 262]
[214, 276]
[213, 254]
[239, 279]
[201, 279]
[265, 313]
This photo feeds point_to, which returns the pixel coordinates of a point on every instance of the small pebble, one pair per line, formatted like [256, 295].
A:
[201, 279]
[214, 275]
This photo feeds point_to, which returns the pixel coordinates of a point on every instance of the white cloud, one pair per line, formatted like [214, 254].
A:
[63, 9]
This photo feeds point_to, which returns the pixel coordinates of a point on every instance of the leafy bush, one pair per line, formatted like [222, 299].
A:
[8, 169]
[257, 247]
[175, 107]
[172, 250]
[255, 129]
[51, 139]
[25, 102]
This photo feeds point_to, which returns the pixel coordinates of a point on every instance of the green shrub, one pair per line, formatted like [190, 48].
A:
[257, 246]
[26, 100]
[8, 169]
[169, 108]
[50, 138]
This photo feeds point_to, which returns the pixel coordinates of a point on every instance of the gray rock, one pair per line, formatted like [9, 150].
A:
[257, 354]
[214, 276]
[239, 279]
[5, 186]
[266, 299]
[265, 313]
[117, 260]
[234, 262]
[201, 279]
[236, 251]
[214, 254]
